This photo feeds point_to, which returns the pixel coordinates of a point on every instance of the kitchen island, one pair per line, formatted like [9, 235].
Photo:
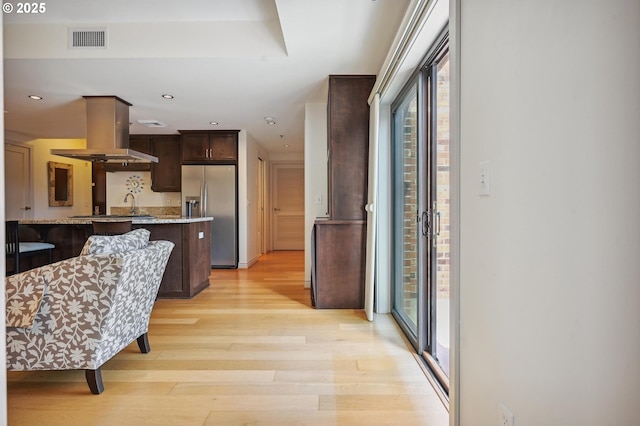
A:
[188, 269]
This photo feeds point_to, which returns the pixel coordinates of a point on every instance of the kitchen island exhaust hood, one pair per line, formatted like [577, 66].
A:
[107, 133]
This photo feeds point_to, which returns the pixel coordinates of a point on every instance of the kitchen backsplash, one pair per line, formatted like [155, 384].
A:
[119, 184]
[153, 211]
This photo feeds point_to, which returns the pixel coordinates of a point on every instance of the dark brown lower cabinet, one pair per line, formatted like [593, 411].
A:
[189, 266]
[338, 264]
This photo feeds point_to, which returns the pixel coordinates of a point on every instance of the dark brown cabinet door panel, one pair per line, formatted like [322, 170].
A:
[338, 264]
[195, 147]
[224, 146]
[140, 143]
[198, 256]
[188, 269]
[348, 117]
[166, 173]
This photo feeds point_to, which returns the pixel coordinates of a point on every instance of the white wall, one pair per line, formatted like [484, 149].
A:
[549, 270]
[243, 201]
[315, 174]
[286, 156]
[248, 152]
[81, 179]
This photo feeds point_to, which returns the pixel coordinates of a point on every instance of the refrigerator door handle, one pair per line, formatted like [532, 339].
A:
[203, 198]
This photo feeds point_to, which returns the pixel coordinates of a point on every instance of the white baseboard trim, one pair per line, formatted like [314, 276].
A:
[249, 264]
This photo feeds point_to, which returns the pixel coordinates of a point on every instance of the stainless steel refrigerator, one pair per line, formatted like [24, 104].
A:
[215, 187]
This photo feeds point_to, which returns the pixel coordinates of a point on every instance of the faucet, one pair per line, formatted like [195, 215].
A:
[133, 202]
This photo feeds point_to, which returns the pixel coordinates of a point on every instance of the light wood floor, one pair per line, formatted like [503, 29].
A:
[249, 350]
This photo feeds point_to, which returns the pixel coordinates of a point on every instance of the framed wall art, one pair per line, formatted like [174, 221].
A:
[60, 184]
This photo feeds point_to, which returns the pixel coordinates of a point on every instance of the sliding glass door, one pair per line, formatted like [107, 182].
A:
[407, 188]
[437, 348]
[421, 211]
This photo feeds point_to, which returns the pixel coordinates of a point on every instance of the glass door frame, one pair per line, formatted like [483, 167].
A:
[413, 335]
[429, 76]
[423, 337]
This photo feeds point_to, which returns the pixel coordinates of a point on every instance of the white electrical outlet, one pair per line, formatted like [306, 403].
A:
[505, 417]
[485, 178]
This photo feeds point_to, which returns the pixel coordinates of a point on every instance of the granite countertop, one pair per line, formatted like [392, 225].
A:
[136, 220]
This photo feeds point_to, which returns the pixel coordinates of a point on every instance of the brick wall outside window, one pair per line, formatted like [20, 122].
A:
[411, 228]
[442, 276]
[410, 179]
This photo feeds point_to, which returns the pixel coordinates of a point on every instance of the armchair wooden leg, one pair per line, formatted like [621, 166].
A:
[143, 343]
[94, 380]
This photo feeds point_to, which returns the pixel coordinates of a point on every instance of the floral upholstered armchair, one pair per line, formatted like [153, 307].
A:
[80, 312]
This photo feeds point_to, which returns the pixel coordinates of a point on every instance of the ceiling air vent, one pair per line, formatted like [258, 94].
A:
[88, 38]
[152, 123]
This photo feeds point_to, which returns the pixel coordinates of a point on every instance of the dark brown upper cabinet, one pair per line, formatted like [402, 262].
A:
[348, 145]
[140, 143]
[209, 147]
[166, 173]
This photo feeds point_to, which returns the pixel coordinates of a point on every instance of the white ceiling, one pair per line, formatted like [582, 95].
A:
[231, 61]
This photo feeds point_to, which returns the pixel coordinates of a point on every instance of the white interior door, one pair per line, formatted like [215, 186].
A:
[18, 197]
[288, 207]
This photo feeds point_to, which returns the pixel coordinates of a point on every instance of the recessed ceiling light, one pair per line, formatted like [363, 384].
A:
[286, 145]
[35, 97]
[166, 96]
[214, 123]
[271, 123]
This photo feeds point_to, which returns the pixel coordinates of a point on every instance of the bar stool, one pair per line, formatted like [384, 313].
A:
[115, 227]
[15, 249]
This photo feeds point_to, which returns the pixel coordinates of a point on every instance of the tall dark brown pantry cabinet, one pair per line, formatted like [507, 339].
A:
[348, 145]
[339, 243]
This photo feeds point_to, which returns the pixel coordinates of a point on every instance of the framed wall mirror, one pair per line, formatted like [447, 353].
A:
[60, 184]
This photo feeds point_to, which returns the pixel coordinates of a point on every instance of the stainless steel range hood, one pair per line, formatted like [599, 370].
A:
[107, 133]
